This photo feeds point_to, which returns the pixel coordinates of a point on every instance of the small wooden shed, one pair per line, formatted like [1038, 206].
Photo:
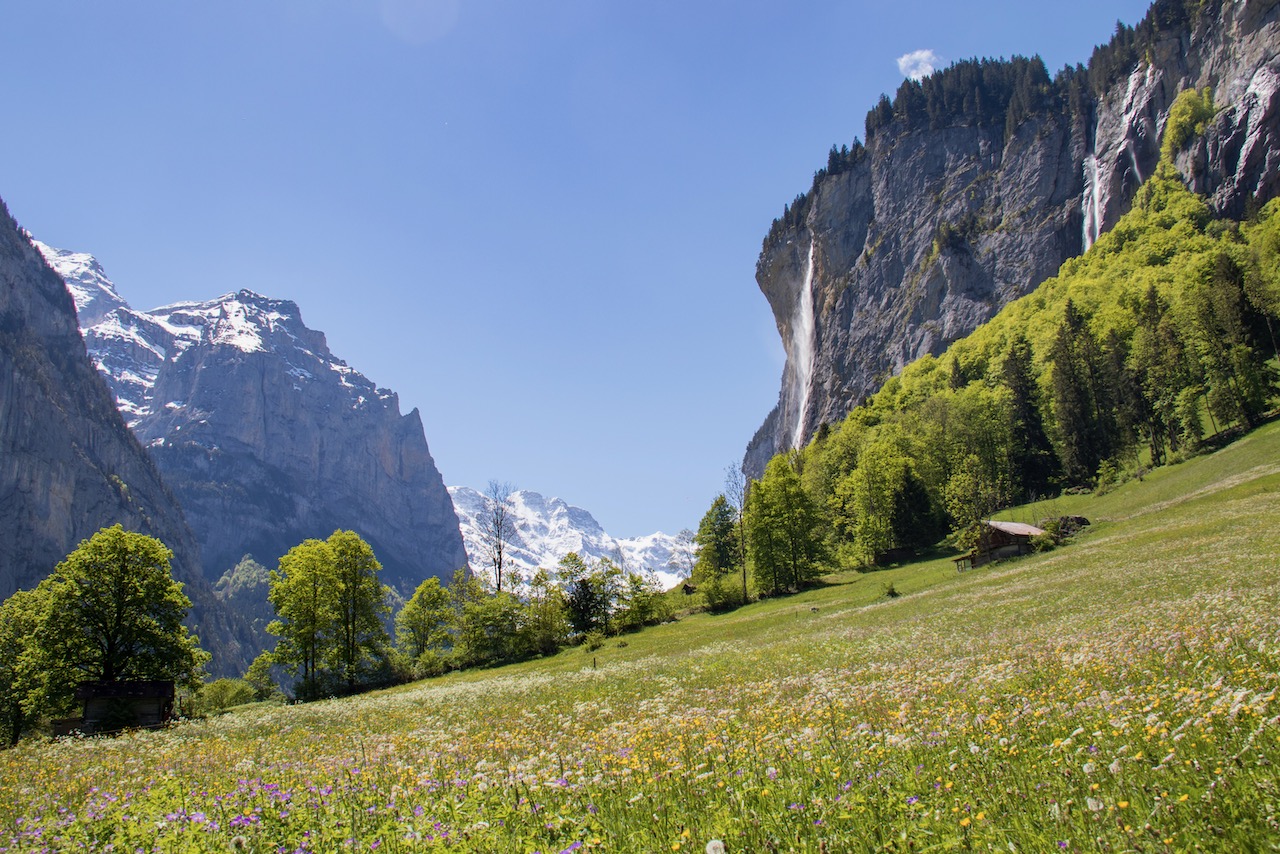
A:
[998, 540]
[113, 706]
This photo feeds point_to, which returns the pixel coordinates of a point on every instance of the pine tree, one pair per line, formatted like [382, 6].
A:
[1033, 462]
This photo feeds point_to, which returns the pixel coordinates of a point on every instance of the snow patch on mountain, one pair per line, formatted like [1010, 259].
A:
[129, 347]
[544, 530]
[94, 293]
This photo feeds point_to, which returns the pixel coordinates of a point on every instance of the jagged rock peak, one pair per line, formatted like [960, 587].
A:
[93, 292]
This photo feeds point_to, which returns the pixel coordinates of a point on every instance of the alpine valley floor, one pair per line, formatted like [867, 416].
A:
[1115, 694]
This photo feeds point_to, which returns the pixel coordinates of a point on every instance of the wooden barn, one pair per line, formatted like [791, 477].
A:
[113, 706]
[998, 540]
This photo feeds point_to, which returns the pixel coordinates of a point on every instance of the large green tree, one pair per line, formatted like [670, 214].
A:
[329, 608]
[784, 528]
[362, 606]
[302, 591]
[717, 542]
[114, 613]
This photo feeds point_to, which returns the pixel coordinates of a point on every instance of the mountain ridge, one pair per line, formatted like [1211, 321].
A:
[265, 436]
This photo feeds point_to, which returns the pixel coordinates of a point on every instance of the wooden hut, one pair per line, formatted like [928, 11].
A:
[996, 541]
[113, 706]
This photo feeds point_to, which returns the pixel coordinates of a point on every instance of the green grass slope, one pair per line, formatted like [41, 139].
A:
[1117, 694]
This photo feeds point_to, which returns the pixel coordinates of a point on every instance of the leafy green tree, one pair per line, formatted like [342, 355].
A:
[362, 606]
[20, 674]
[492, 631]
[784, 529]
[548, 621]
[113, 612]
[717, 549]
[1228, 332]
[304, 594]
[1086, 426]
[871, 494]
[642, 603]
[1164, 370]
[587, 593]
[329, 606]
[423, 624]
[1033, 460]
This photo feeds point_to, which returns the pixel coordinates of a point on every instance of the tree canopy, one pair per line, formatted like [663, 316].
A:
[329, 609]
[111, 612]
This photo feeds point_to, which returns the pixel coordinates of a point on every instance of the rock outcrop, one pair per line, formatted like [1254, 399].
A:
[68, 464]
[265, 437]
[956, 205]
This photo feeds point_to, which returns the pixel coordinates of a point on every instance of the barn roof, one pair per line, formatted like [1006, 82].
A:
[1017, 529]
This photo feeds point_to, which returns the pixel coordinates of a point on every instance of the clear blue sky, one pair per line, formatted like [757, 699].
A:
[536, 221]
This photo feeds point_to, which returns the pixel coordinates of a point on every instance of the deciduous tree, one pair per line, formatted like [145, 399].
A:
[113, 612]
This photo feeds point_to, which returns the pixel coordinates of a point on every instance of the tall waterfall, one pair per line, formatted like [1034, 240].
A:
[1091, 204]
[803, 345]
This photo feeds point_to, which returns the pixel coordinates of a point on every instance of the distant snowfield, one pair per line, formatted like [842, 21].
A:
[544, 530]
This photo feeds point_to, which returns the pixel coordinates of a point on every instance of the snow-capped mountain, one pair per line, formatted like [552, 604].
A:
[93, 292]
[264, 435]
[546, 529]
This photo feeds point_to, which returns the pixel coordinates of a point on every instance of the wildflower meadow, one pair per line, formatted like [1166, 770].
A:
[1115, 694]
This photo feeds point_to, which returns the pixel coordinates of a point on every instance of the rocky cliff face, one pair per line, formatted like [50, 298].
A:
[68, 464]
[264, 435]
[903, 246]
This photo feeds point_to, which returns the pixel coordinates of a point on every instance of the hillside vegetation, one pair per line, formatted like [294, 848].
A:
[1116, 694]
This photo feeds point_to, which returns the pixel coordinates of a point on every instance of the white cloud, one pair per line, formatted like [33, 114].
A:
[919, 63]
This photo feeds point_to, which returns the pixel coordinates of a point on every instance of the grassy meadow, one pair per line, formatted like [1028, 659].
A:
[1115, 694]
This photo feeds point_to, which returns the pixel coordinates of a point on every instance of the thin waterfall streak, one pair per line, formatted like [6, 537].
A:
[803, 334]
[1092, 202]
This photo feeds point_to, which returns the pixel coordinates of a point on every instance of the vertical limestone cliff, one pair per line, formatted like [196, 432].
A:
[977, 183]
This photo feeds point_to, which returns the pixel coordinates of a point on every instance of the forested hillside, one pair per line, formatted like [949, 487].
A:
[1135, 354]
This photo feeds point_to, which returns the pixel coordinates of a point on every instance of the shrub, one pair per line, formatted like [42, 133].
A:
[221, 694]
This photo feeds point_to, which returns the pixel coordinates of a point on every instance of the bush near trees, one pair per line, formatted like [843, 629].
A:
[111, 611]
[466, 625]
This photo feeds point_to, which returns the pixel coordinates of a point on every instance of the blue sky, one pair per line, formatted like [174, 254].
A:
[536, 221]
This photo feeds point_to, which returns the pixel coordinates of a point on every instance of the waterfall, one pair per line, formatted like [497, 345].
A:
[1133, 158]
[1091, 204]
[803, 341]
